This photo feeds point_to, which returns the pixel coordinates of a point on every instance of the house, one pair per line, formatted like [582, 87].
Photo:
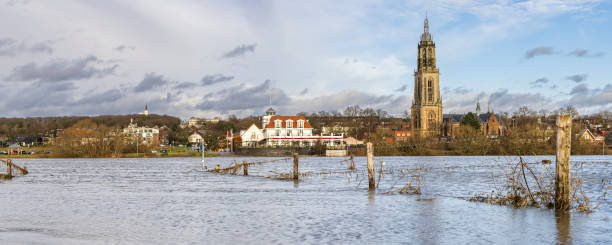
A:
[163, 135]
[353, 141]
[143, 134]
[196, 122]
[337, 129]
[402, 135]
[195, 138]
[294, 131]
[252, 136]
[586, 136]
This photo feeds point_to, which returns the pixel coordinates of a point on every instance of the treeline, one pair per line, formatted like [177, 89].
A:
[86, 138]
[38, 126]
[470, 142]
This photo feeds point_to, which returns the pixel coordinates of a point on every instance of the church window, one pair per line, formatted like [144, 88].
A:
[431, 121]
[429, 91]
[419, 90]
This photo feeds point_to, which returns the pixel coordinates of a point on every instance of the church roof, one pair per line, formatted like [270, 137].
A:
[285, 118]
[482, 118]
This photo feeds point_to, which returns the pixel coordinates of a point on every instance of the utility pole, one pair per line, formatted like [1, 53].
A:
[137, 139]
[203, 149]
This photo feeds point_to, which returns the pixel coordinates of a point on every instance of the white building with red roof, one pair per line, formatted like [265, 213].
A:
[295, 131]
[252, 136]
[285, 131]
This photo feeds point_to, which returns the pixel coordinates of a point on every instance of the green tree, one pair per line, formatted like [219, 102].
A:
[471, 120]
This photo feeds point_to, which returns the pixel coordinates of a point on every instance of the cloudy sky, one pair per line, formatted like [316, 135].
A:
[217, 58]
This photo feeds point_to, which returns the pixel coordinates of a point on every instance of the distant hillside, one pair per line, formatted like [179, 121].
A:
[34, 126]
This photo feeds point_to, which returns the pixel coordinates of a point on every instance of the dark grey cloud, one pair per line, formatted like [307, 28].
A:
[538, 51]
[539, 82]
[185, 85]
[123, 48]
[216, 78]
[305, 91]
[41, 47]
[542, 80]
[110, 95]
[580, 89]
[582, 96]
[402, 88]
[578, 78]
[11, 47]
[61, 70]
[344, 98]
[240, 51]
[585, 53]
[241, 97]
[509, 101]
[43, 95]
[149, 82]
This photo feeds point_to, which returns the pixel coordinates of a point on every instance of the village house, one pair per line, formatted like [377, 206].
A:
[352, 141]
[195, 138]
[142, 134]
[251, 136]
[286, 131]
[585, 135]
[196, 122]
[402, 135]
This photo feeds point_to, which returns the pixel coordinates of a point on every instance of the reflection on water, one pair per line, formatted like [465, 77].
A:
[171, 201]
[564, 234]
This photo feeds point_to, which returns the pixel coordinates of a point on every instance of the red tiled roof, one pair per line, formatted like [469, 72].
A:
[285, 118]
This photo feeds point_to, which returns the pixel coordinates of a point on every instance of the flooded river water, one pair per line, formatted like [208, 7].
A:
[171, 201]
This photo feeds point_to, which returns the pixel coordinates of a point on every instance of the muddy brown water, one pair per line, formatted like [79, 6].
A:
[171, 201]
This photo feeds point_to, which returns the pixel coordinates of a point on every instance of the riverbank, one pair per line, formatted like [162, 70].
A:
[52, 152]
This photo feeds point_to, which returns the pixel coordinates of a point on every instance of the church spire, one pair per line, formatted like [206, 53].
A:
[426, 37]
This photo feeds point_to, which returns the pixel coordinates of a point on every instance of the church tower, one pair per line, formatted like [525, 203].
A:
[427, 104]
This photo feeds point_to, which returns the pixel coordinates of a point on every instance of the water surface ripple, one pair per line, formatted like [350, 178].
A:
[171, 201]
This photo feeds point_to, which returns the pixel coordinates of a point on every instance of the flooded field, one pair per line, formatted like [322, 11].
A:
[171, 201]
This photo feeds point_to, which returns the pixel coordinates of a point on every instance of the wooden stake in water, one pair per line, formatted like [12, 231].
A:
[352, 166]
[372, 183]
[245, 167]
[296, 158]
[562, 180]
[9, 168]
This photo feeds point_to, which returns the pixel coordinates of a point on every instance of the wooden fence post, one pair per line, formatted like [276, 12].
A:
[352, 166]
[245, 167]
[371, 181]
[8, 167]
[295, 165]
[562, 180]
